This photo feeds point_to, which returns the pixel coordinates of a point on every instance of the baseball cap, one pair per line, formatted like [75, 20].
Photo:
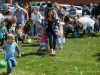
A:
[20, 24]
[17, 7]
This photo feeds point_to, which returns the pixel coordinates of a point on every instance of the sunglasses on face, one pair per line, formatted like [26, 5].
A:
[55, 6]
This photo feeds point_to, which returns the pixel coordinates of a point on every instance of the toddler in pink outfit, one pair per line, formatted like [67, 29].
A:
[44, 41]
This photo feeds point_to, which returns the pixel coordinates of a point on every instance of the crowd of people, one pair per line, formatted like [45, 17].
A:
[49, 22]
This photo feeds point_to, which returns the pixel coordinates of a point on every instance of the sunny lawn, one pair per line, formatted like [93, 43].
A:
[79, 56]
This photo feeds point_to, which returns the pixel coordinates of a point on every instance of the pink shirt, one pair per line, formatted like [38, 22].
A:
[44, 39]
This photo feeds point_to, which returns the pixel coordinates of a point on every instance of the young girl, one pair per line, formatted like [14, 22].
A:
[44, 42]
[38, 29]
[20, 28]
[61, 33]
[31, 29]
[10, 47]
[19, 36]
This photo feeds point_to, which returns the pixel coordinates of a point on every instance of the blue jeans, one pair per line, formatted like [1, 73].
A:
[68, 31]
[21, 22]
[8, 28]
[13, 32]
[10, 63]
[52, 39]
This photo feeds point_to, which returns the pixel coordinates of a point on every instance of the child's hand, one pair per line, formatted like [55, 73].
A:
[1, 50]
[19, 56]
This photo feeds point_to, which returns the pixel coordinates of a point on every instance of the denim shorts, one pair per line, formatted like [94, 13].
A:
[89, 28]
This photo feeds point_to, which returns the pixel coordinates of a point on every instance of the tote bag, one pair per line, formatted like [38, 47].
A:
[61, 40]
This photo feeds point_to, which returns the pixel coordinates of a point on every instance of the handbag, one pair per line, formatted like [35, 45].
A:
[61, 40]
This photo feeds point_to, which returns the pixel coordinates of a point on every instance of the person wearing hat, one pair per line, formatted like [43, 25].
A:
[20, 27]
[20, 15]
[13, 10]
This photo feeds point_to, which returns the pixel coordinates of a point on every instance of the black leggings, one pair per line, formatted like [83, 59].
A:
[2, 41]
[20, 39]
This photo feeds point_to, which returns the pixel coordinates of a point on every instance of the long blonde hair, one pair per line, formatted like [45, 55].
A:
[80, 21]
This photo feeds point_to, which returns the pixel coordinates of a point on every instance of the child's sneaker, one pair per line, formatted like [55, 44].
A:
[47, 51]
[9, 74]
[55, 48]
[37, 51]
[60, 48]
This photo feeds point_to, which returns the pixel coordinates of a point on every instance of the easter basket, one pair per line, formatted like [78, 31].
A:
[3, 63]
[61, 40]
[28, 40]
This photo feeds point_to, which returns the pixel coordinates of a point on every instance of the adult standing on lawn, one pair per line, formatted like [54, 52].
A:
[46, 8]
[35, 17]
[41, 10]
[13, 10]
[1, 17]
[20, 15]
[29, 10]
[26, 7]
[97, 10]
[51, 25]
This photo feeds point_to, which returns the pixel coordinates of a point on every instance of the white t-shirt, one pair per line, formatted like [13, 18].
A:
[12, 11]
[36, 17]
[88, 22]
[1, 18]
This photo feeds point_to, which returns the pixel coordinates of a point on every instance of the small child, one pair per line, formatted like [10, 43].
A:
[3, 30]
[19, 36]
[44, 42]
[20, 28]
[60, 34]
[10, 47]
[12, 30]
[38, 29]
[31, 29]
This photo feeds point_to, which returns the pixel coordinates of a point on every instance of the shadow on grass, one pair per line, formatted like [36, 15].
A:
[82, 36]
[32, 45]
[98, 54]
[3, 73]
[42, 53]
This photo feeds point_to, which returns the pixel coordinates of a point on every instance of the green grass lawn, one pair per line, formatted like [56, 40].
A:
[79, 56]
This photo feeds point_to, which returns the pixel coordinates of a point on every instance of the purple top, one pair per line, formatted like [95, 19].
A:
[38, 28]
[60, 10]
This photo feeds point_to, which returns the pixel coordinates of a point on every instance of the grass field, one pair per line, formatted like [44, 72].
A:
[79, 56]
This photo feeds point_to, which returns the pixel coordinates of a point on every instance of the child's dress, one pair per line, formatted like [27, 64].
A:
[44, 43]
[32, 30]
